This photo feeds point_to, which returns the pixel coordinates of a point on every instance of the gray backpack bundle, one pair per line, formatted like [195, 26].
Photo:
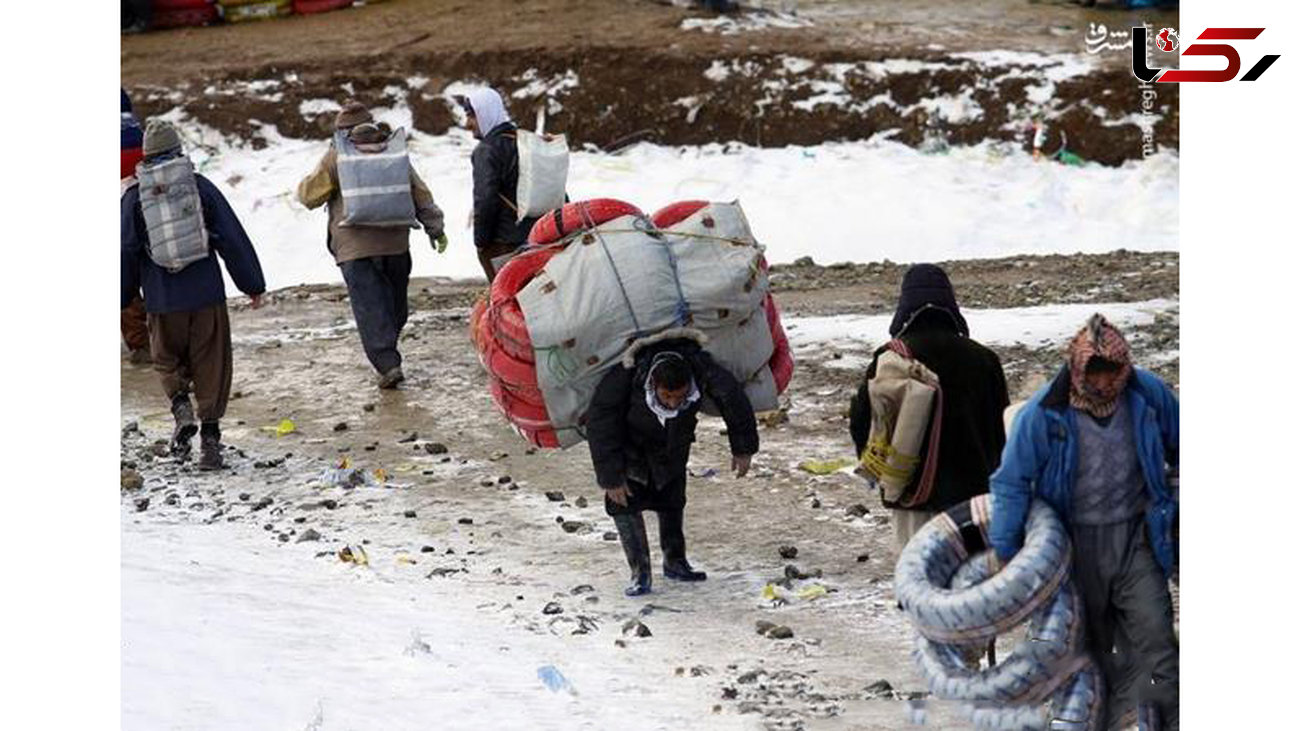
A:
[173, 213]
[376, 186]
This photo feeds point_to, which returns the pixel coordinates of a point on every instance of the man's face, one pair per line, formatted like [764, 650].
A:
[672, 398]
[471, 123]
[1102, 381]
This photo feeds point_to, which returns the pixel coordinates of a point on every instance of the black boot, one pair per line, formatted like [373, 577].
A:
[631, 533]
[210, 446]
[183, 412]
[673, 542]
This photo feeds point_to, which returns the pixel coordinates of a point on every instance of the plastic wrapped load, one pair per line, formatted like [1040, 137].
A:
[239, 11]
[689, 220]
[597, 277]
[500, 332]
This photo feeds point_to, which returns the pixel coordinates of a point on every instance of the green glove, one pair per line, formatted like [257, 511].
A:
[440, 243]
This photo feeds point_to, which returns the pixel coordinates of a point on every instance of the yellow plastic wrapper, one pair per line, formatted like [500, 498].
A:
[286, 426]
[354, 554]
[826, 467]
[813, 591]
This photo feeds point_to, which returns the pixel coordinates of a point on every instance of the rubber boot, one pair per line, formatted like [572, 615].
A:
[673, 542]
[183, 412]
[210, 446]
[631, 533]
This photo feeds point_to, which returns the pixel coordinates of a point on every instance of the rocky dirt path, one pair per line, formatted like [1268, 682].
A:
[466, 515]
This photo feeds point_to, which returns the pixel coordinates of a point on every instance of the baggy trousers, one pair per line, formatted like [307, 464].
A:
[191, 352]
[135, 326]
[377, 291]
[1130, 619]
[667, 502]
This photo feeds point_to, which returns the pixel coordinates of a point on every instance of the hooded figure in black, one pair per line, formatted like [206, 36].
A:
[495, 160]
[972, 435]
[640, 428]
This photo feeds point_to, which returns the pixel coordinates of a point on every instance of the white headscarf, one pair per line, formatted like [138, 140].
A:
[662, 412]
[488, 108]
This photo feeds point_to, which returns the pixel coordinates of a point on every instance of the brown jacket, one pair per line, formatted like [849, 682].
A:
[359, 242]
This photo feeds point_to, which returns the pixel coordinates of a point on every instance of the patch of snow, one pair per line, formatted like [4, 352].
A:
[796, 65]
[746, 22]
[417, 81]
[310, 108]
[840, 201]
[1033, 327]
[537, 86]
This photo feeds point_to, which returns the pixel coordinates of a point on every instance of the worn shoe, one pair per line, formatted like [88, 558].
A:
[186, 428]
[636, 547]
[210, 448]
[391, 378]
[673, 542]
[681, 570]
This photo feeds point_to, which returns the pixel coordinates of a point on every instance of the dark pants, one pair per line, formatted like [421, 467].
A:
[191, 352]
[377, 290]
[135, 326]
[487, 253]
[1130, 620]
[668, 498]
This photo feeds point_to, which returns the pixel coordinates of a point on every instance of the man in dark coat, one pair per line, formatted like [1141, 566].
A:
[640, 427]
[971, 435]
[189, 326]
[497, 230]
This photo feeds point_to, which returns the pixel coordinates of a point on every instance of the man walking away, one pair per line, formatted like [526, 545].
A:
[135, 331]
[1100, 445]
[374, 198]
[174, 223]
[971, 436]
[641, 424]
[495, 161]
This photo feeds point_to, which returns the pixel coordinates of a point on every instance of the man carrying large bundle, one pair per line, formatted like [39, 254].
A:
[641, 424]
[499, 225]
[374, 198]
[1100, 445]
[174, 222]
[960, 437]
[135, 330]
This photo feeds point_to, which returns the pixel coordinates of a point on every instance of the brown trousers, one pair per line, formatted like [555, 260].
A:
[135, 330]
[487, 253]
[191, 351]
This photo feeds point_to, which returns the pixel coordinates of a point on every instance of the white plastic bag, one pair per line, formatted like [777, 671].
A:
[543, 173]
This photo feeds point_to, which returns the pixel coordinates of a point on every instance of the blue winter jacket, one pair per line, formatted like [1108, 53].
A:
[198, 285]
[1042, 453]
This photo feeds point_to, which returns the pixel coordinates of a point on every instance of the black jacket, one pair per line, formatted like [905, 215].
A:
[628, 442]
[974, 393]
[496, 176]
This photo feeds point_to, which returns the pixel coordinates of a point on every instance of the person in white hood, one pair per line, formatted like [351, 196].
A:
[497, 230]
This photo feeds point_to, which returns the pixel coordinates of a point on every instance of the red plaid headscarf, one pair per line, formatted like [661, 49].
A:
[1098, 339]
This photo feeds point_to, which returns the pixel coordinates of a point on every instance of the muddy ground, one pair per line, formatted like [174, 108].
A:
[474, 509]
[613, 72]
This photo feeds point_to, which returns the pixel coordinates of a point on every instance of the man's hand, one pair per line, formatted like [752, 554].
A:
[255, 300]
[619, 495]
[439, 242]
[740, 464]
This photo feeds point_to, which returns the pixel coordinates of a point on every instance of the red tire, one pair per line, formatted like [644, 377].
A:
[518, 375]
[674, 213]
[511, 330]
[162, 5]
[518, 272]
[782, 360]
[307, 7]
[577, 216]
[188, 18]
[130, 157]
[521, 413]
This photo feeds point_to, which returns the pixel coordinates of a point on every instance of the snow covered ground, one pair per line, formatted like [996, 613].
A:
[834, 202]
[223, 629]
